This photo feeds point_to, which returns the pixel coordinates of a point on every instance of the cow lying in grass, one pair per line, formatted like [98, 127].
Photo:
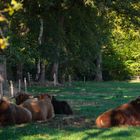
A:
[13, 114]
[42, 110]
[60, 107]
[126, 114]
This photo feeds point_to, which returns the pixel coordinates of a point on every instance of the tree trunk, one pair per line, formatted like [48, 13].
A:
[42, 76]
[38, 70]
[38, 73]
[55, 70]
[19, 71]
[98, 76]
[41, 31]
[55, 66]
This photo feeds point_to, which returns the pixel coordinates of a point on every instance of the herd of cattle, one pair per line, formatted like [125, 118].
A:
[43, 107]
[31, 108]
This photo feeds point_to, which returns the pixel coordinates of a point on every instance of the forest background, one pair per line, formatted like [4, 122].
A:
[92, 39]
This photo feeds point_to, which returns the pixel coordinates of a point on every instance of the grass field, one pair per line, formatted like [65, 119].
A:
[87, 100]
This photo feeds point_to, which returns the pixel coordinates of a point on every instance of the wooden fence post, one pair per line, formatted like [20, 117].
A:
[69, 80]
[11, 89]
[84, 79]
[63, 78]
[25, 85]
[19, 85]
[54, 78]
[29, 78]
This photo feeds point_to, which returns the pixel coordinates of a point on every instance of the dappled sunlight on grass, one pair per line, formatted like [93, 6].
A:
[87, 100]
[112, 133]
[134, 81]
[127, 96]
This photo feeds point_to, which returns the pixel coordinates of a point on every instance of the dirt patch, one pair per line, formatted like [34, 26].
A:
[83, 103]
[70, 121]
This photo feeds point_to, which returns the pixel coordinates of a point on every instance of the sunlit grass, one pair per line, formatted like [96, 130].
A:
[87, 100]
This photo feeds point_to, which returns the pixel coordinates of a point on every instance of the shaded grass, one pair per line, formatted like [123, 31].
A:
[88, 100]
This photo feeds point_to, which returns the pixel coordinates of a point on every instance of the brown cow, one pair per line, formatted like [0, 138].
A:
[60, 107]
[126, 114]
[21, 97]
[13, 114]
[42, 96]
[41, 110]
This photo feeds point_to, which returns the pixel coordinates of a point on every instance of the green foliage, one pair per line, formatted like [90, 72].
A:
[121, 58]
[74, 33]
[7, 9]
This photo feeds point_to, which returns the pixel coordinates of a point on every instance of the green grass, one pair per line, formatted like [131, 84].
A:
[87, 100]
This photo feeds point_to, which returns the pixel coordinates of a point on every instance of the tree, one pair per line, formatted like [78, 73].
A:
[6, 7]
[124, 39]
[74, 37]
